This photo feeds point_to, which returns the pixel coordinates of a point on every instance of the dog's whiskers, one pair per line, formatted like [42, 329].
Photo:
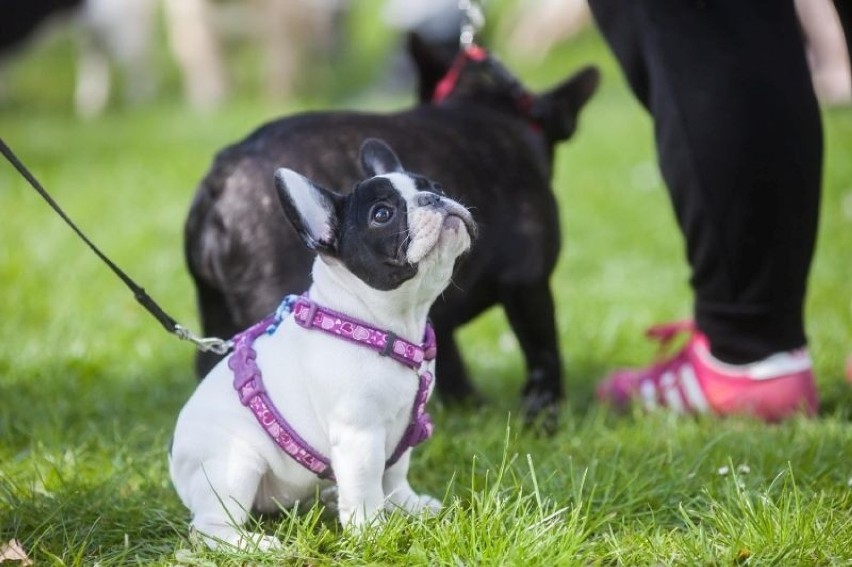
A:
[405, 241]
[452, 283]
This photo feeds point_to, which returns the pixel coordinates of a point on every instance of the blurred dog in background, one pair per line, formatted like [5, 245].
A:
[295, 34]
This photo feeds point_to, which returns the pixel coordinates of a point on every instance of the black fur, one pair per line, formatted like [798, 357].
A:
[376, 253]
[490, 144]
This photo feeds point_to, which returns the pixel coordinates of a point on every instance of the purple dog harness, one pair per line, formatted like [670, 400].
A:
[249, 384]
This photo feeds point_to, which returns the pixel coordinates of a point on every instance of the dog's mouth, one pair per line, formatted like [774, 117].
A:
[456, 224]
[431, 225]
[458, 216]
[453, 222]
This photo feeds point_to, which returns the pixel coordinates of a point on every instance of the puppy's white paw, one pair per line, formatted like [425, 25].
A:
[427, 505]
[361, 526]
[261, 542]
[245, 541]
[414, 504]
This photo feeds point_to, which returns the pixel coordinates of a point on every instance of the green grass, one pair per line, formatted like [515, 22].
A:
[90, 385]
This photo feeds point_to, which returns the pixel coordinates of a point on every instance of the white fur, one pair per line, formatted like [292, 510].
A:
[314, 214]
[349, 403]
[425, 224]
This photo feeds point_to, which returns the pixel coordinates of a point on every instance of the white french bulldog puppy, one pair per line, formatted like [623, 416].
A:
[385, 252]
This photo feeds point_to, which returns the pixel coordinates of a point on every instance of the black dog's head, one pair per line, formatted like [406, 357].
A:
[473, 75]
[394, 226]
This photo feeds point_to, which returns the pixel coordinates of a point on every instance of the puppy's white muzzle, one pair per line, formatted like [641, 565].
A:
[437, 222]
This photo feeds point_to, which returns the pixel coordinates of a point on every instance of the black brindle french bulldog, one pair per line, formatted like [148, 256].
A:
[479, 133]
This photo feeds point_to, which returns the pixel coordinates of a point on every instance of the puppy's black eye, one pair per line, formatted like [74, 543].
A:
[437, 188]
[381, 214]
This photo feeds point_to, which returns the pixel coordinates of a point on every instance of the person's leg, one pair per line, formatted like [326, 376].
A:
[844, 11]
[827, 54]
[739, 139]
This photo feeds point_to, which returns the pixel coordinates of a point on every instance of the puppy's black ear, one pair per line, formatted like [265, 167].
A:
[377, 158]
[557, 110]
[312, 210]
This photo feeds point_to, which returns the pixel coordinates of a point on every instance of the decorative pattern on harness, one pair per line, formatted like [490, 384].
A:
[309, 315]
[248, 381]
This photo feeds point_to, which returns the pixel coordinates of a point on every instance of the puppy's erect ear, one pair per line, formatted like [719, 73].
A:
[557, 110]
[312, 210]
[377, 158]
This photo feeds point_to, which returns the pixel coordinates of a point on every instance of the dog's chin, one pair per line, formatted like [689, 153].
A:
[456, 230]
[439, 234]
[453, 240]
[454, 223]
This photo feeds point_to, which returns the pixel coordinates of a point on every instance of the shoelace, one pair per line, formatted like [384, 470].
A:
[661, 375]
[665, 333]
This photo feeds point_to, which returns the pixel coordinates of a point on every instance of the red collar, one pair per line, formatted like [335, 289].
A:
[445, 87]
[448, 83]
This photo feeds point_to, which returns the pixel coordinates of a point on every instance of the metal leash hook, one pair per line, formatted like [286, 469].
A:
[473, 18]
[204, 344]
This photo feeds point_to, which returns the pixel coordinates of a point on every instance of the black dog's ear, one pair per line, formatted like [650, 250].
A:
[312, 210]
[432, 61]
[557, 110]
[377, 158]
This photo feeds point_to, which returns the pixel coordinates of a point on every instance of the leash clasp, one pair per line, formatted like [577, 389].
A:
[472, 21]
[204, 344]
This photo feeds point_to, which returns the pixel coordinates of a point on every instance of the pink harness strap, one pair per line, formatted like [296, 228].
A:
[310, 315]
[248, 380]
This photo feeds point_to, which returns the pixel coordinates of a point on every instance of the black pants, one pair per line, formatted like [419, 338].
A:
[739, 141]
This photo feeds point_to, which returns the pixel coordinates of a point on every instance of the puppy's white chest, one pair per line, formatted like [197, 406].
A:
[333, 385]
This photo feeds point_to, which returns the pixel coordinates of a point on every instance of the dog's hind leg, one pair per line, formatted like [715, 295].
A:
[530, 311]
[220, 496]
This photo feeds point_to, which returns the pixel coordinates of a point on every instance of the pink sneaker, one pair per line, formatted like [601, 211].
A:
[693, 381]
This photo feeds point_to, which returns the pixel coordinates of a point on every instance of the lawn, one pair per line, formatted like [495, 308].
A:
[90, 385]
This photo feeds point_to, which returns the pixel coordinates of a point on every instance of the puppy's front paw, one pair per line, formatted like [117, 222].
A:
[428, 505]
[243, 541]
[414, 504]
[263, 542]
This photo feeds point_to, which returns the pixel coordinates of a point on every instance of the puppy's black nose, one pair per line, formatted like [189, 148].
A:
[426, 199]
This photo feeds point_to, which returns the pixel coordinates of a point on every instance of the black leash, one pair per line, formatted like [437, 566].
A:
[211, 344]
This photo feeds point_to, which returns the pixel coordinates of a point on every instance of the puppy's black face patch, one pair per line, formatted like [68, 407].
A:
[373, 234]
[422, 183]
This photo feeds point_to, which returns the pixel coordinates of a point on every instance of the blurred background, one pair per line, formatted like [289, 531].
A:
[95, 55]
[98, 54]
[118, 106]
